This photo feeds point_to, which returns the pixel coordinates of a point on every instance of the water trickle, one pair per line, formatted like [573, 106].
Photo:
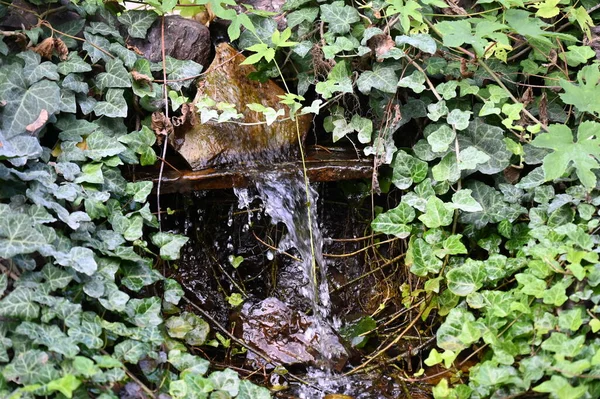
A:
[285, 199]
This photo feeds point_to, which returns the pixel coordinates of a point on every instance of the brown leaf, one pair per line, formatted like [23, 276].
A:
[512, 174]
[454, 9]
[381, 44]
[135, 50]
[464, 69]
[188, 116]
[61, 48]
[161, 125]
[45, 48]
[543, 112]
[141, 78]
[527, 97]
[39, 122]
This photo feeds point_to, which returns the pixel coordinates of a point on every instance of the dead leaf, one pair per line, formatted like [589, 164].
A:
[512, 174]
[188, 116]
[135, 50]
[141, 78]
[161, 125]
[464, 69]
[454, 8]
[527, 97]
[45, 48]
[381, 44]
[39, 122]
[543, 109]
[61, 48]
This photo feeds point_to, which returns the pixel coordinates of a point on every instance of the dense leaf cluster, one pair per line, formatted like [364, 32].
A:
[487, 117]
[79, 314]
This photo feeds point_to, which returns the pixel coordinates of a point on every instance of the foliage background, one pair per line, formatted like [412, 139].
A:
[483, 115]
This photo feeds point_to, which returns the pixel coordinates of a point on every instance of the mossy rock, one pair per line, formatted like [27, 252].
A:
[213, 144]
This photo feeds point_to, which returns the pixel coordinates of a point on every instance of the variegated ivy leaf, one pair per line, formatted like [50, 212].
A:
[495, 209]
[226, 380]
[19, 236]
[437, 110]
[380, 78]
[437, 213]
[80, 259]
[30, 367]
[97, 47]
[137, 22]
[113, 106]
[459, 119]
[489, 140]
[338, 80]
[308, 14]
[101, 28]
[249, 390]
[20, 303]
[55, 277]
[441, 139]
[49, 336]
[470, 157]
[3, 283]
[24, 103]
[131, 351]
[100, 146]
[467, 278]
[172, 291]
[407, 170]
[181, 73]
[423, 42]
[183, 361]
[395, 221]
[415, 81]
[169, 244]
[447, 169]
[463, 200]
[144, 312]
[339, 16]
[35, 70]
[421, 259]
[115, 75]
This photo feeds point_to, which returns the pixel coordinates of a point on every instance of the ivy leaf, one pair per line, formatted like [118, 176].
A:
[30, 367]
[381, 78]
[169, 244]
[172, 291]
[114, 105]
[421, 41]
[144, 312]
[583, 154]
[466, 279]
[585, 95]
[547, 9]
[20, 303]
[137, 22]
[421, 259]
[73, 64]
[131, 350]
[18, 236]
[415, 81]
[578, 55]
[25, 104]
[441, 138]
[459, 119]
[407, 170]
[65, 385]
[339, 17]
[249, 390]
[463, 200]
[470, 157]
[437, 213]
[450, 334]
[226, 380]
[139, 190]
[492, 202]
[55, 277]
[181, 73]
[559, 387]
[100, 146]
[115, 75]
[80, 259]
[97, 47]
[395, 221]
[189, 363]
[488, 139]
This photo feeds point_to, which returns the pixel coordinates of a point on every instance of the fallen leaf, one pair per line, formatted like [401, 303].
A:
[141, 78]
[39, 122]
[61, 48]
[45, 48]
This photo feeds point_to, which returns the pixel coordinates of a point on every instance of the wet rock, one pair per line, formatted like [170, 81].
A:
[185, 39]
[212, 144]
[290, 337]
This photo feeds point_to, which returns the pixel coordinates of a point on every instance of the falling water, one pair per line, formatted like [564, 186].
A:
[283, 193]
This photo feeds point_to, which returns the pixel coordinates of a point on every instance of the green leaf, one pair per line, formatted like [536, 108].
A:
[115, 75]
[80, 259]
[30, 367]
[139, 190]
[407, 170]
[458, 331]
[415, 81]
[585, 95]
[131, 350]
[73, 64]
[145, 312]
[97, 47]
[56, 278]
[578, 55]
[470, 157]
[226, 380]
[441, 139]
[437, 110]
[423, 42]
[559, 387]
[562, 345]
[189, 327]
[437, 213]
[339, 17]
[459, 119]
[169, 244]
[381, 78]
[18, 236]
[24, 104]
[101, 146]
[582, 154]
[464, 201]
[137, 22]
[248, 390]
[190, 364]
[20, 303]
[395, 221]
[114, 105]
[421, 259]
[466, 279]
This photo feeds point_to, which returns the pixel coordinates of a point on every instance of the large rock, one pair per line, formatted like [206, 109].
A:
[212, 144]
[290, 337]
[185, 39]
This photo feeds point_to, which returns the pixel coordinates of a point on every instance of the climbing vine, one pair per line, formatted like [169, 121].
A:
[484, 116]
[84, 311]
